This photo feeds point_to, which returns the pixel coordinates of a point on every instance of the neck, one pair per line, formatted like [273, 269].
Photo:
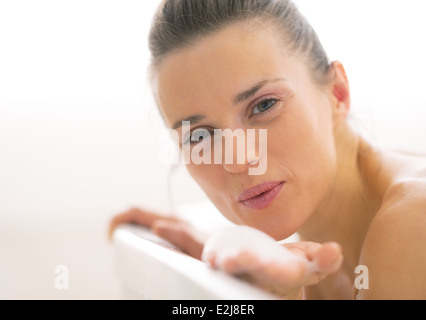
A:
[345, 214]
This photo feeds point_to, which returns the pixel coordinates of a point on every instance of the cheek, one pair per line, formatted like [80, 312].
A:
[303, 136]
[206, 176]
[211, 180]
[303, 149]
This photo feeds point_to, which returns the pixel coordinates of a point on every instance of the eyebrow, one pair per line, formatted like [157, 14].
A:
[193, 119]
[241, 97]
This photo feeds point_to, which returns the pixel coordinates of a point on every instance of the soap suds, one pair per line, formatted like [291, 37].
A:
[232, 240]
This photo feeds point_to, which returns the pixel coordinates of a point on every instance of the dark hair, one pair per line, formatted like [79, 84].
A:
[179, 23]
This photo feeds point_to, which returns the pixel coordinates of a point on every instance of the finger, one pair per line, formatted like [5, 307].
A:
[305, 249]
[277, 277]
[211, 259]
[285, 277]
[116, 221]
[329, 258]
[239, 263]
[326, 261]
[144, 217]
[248, 262]
[285, 280]
[324, 255]
[126, 217]
[288, 275]
[181, 235]
[138, 216]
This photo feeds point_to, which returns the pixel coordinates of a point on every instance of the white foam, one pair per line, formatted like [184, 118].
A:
[232, 240]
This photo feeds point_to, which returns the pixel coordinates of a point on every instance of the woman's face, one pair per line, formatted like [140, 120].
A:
[243, 78]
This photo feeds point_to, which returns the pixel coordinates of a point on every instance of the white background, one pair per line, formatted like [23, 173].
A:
[78, 126]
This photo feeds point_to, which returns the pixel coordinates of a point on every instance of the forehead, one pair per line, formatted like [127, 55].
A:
[219, 66]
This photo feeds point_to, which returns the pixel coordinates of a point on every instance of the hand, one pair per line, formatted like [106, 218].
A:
[176, 231]
[285, 279]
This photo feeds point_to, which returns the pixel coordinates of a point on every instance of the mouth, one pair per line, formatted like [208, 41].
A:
[260, 196]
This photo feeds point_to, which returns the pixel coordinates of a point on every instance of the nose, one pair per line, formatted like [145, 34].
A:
[240, 152]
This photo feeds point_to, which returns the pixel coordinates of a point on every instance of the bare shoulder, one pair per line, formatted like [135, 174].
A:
[394, 249]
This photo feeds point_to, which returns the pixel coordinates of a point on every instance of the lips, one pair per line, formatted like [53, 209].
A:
[260, 196]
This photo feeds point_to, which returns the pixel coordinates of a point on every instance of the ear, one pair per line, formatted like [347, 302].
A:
[340, 93]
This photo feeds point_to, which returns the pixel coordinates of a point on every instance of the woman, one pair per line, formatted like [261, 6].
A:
[257, 64]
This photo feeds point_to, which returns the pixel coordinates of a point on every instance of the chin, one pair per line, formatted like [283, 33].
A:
[276, 222]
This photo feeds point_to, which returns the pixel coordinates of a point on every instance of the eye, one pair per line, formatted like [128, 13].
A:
[263, 106]
[197, 136]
